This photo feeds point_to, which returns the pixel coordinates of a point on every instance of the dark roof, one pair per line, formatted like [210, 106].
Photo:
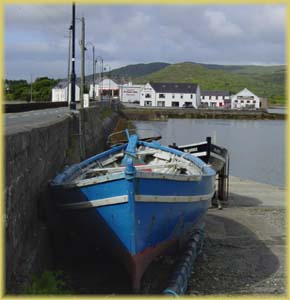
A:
[214, 93]
[63, 84]
[186, 88]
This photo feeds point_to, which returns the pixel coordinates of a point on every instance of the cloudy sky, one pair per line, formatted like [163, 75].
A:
[36, 36]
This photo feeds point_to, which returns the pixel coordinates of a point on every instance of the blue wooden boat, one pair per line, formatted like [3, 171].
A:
[136, 199]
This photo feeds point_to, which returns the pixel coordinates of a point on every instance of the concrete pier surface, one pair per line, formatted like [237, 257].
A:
[244, 247]
[243, 253]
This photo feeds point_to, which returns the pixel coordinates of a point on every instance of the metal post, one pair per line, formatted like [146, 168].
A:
[110, 92]
[102, 70]
[73, 74]
[208, 139]
[100, 77]
[30, 88]
[94, 71]
[68, 65]
[83, 63]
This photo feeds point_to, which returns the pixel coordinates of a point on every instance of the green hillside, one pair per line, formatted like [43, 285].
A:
[266, 81]
[133, 71]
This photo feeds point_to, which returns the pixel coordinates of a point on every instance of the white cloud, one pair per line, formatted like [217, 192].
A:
[220, 25]
[232, 34]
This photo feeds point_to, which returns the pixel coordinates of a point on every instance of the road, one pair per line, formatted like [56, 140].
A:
[15, 122]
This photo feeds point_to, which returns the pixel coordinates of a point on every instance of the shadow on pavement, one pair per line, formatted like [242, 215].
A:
[233, 260]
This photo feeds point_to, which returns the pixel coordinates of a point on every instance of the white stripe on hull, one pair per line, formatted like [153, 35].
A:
[176, 177]
[149, 198]
[138, 198]
[95, 203]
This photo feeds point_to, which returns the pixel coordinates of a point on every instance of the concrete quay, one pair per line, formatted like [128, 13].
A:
[244, 248]
[245, 245]
[165, 113]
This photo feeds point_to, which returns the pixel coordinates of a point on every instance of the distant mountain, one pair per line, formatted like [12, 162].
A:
[133, 71]
[265, 81]
[140, 69]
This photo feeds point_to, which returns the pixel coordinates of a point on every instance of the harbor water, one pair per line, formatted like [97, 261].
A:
[257, 148]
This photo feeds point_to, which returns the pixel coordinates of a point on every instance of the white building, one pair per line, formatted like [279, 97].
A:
[130, 92]
[106, 87]
[215, 99]
[170, 95]
[62, 90]
[245, 99]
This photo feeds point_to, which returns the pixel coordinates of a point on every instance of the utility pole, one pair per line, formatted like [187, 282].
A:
[73, 74]
[30, 88]
[94, 72]
[83, 62]
[68, 65]
[102, 77]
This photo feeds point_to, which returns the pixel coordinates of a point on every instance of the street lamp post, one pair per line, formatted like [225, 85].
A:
[94, 70]
[108, 67]
[73, 74]
[68, 64]
[102, 69]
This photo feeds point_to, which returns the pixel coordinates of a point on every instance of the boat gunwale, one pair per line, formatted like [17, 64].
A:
[121, 175]
[60, 179]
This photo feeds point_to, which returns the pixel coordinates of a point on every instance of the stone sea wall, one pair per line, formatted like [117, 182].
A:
[33, 156]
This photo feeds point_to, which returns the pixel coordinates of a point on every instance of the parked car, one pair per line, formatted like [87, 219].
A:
[186, 105]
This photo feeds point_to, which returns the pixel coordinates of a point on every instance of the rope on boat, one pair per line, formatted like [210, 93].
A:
[179, 278]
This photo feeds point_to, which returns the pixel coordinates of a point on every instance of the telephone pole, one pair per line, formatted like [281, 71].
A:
[83, 62]
[30, 88]
[68, 65]
[94, 72]
[73, 74]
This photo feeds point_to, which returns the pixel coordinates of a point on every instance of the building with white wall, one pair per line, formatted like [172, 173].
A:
[215, 98]
[62, 92]
[106, 87]
[130, 93]
[170, 95]
[245, 99]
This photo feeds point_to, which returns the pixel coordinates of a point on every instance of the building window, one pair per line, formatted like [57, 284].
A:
[191, 96]
[242, 101]
[173, 96]
[209, 97]
[148, 103]
[161, 96]
[148, 96]
[248, 101]
[254, 101]
[181, 96]
[175, 104]
[236, 101]
[161, 103]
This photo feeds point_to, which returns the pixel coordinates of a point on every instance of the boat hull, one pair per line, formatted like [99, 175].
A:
[134, 218]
